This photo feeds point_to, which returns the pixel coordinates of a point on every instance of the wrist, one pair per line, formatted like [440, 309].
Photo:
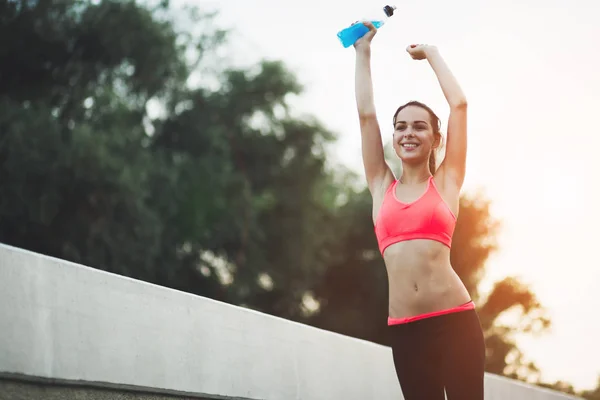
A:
[363, 51]
[431, 51]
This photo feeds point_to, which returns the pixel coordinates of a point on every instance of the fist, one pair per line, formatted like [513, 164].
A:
[365, 41]
[419, 51]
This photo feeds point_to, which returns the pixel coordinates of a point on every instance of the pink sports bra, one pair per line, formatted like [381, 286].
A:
[428, 217]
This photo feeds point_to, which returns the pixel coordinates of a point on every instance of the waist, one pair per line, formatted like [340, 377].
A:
[421, 279]
[405, 320]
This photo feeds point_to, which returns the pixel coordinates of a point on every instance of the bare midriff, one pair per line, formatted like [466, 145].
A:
[421, 278]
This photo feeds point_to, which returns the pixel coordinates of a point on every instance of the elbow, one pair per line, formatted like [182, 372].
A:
[460, 104]
[366, 116]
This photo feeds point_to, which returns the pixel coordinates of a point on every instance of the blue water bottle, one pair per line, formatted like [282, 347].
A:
[354, 32]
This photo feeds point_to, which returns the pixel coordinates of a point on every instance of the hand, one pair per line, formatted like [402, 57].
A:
[420, 51]
[365, 42]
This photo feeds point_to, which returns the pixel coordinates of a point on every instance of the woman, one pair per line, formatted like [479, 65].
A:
[436, 337]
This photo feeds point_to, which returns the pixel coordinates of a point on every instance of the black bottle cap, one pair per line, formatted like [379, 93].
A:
[389, 10]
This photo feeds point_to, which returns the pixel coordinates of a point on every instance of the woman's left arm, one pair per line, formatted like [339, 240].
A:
[454, 164]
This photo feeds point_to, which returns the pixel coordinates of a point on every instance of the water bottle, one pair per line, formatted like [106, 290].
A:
[354, 32]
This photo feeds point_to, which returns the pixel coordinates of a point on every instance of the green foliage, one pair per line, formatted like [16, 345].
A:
[67, 190]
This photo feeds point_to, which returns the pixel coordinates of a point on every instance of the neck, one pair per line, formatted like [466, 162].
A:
[414, 174]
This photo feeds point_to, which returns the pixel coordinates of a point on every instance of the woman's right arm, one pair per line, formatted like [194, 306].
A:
[377, 171]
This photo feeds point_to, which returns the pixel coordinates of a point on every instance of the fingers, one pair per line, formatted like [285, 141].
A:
[368, 36]
[370, 25]
[417, 51]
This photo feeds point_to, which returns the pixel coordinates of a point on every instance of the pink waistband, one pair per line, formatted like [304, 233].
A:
[464, 307]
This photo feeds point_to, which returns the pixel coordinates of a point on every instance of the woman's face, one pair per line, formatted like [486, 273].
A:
[414, 136]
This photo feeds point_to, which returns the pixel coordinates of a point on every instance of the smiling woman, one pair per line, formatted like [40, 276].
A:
[436, 337]
[422, 118]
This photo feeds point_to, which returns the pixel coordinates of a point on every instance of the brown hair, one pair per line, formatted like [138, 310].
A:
[436, 124]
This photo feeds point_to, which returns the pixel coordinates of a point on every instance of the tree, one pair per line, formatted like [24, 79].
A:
[473, 243]
[254, 198]
[203, 197]
[75, 181]
[592, 394]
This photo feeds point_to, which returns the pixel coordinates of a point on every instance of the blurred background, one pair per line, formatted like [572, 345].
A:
[213, 147]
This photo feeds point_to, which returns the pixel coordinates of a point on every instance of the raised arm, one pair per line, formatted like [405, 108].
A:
[377, 171]
[453, 166]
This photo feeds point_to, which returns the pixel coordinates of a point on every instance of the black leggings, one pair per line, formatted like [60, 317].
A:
[437, 353]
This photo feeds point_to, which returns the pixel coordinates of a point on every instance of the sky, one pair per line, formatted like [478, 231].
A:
[530, 71]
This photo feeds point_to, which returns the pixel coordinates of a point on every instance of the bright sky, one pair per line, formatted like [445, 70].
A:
[530, 69]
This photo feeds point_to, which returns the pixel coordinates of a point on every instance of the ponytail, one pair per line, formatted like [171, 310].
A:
[432, 163]
[432, 155]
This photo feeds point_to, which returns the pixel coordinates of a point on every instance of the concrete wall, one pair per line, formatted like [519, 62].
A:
[69, 331]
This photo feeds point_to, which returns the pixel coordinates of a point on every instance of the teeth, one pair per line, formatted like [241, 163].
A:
[411, 145]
